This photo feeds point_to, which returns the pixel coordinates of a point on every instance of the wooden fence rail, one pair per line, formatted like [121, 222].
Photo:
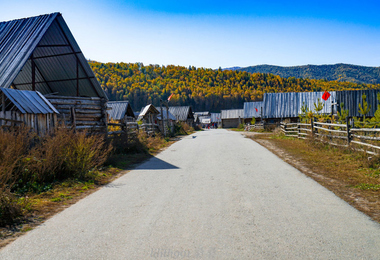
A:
[361, 139]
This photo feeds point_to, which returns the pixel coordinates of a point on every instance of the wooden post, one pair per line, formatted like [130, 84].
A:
[162, 119]
[167, 117]
[348, 131]
[73, 118]
[299, 130]
[312, 126]
[330, 133]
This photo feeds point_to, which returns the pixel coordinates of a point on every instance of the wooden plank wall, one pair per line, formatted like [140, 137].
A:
[82, 112]
[41, 123]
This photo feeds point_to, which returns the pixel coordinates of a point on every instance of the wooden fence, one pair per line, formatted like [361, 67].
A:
[257, 126]
[345, 135]
[132, 128]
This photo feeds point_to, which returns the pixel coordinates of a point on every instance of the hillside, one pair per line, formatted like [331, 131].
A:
[204, 89]
[338, 72]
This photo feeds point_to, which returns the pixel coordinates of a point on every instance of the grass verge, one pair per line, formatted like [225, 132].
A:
[351, 175]
[44, 199]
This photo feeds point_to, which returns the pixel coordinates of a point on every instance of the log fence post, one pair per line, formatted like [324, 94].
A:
[348, 126]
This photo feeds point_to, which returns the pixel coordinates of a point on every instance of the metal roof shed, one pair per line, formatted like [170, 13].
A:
[183, 114]
[28, 107]
[40, 54]
[120, 111]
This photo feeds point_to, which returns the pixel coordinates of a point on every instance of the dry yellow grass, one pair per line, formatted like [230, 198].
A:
[351, 175]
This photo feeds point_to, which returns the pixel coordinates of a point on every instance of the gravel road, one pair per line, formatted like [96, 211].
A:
[212, 195]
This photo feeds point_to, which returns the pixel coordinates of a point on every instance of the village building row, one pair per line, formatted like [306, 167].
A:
[46, 80]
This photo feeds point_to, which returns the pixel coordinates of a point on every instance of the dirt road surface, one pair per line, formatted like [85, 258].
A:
[212, 195]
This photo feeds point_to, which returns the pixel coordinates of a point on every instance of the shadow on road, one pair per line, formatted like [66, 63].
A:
[156, 164]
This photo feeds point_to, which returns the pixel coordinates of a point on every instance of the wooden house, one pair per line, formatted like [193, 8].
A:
[40, 54]
[183, 114]
[29, 108]
[232, 118]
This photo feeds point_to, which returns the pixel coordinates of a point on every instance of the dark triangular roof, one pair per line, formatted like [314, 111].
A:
[119, 109]
[59, 65]
[182, 113]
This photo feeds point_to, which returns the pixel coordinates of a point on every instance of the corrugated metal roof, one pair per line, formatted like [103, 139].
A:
[55, 53]
[29, 102]
[164, 111]
[182, 113]
[353, 98]
[286, 105]
[119, 109]
[216, 118]
[250, 109]
[232, 113]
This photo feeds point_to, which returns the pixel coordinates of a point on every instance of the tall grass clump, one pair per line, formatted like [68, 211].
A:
[65, 154]
[13, 146]
[32, 164]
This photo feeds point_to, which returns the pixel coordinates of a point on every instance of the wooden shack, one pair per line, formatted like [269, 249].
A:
[168, 121]
[148, 117]
[232, 117]
[183, 114]
[40, 54]
[29, 108]
[120, 111]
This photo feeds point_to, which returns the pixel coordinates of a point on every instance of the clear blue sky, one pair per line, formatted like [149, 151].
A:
[217, 33]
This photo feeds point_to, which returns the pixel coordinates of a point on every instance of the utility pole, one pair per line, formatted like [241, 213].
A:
[167, 116]
[162, 119]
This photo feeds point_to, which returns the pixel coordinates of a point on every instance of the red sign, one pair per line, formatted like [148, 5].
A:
[326, 95]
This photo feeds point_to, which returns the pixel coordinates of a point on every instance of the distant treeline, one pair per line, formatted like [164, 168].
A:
[338, 72]
[203, 89]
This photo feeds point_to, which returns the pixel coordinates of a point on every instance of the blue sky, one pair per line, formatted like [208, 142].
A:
[217, 33]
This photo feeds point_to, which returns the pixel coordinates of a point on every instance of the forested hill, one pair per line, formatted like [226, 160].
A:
[204, 89]
[339, 72]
